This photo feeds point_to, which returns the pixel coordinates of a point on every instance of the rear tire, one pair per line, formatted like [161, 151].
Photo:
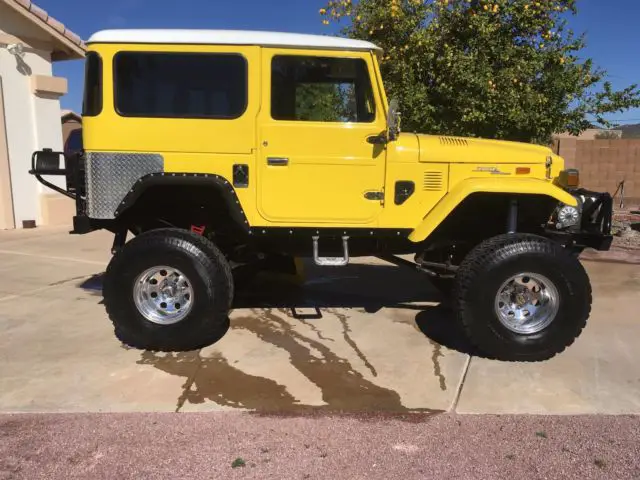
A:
[521, 297]
[135, 309]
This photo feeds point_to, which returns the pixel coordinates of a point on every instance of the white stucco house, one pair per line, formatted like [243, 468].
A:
[30, 41]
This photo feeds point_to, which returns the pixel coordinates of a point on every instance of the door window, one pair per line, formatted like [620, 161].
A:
[321, 89]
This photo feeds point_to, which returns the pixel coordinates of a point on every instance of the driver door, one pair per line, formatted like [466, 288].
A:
[316, 164]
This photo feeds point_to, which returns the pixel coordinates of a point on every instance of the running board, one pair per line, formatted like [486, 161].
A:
[331, 261]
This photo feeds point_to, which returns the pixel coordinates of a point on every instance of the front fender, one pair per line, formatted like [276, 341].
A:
[517, 186]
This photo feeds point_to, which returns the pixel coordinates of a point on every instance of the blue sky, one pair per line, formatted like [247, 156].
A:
[610, 26]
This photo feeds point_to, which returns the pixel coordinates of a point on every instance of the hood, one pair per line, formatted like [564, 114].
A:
[473, 150]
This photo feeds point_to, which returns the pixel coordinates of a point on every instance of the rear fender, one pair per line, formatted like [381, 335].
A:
[214, 182]
[516, 186]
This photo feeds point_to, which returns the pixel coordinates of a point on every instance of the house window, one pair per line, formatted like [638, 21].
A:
[92, 101]
[180, 85]
[321, 89]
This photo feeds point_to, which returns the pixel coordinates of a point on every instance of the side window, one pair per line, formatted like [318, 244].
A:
[180, 85]
[321, 89]
[92, 100]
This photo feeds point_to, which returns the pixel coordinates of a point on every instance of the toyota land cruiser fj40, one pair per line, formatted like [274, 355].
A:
[221, 148]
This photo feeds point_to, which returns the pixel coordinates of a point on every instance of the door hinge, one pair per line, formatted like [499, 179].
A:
[374, 196]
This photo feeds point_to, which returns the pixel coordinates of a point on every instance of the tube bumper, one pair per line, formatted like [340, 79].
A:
[72, 167]
[594, 228]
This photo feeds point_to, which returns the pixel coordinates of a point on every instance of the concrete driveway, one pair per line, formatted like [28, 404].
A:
[362, 338]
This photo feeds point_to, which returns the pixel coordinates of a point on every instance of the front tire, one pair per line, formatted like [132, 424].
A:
[168, 290]
[521, 297]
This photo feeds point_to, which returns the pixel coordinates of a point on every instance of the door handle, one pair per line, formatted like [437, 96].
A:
[277, 161]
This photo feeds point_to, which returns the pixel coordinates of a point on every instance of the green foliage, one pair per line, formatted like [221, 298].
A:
[322, 102]
[507, 69]
[608, 135]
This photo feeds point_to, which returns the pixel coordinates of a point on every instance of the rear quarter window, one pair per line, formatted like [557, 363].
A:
[92, 99]
[180, 85]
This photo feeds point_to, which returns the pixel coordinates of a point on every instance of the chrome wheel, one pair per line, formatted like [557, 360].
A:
[163, 295]
[527, 303]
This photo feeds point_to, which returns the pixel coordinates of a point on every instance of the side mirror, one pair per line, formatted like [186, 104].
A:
[393, 120]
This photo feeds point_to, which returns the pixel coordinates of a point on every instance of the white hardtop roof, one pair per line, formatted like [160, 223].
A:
[229, 37]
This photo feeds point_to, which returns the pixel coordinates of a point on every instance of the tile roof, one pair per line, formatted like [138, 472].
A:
[46, 21]
[70, 113]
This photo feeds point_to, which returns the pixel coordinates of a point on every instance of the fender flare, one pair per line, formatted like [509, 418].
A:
[516, 186]
[221, 184]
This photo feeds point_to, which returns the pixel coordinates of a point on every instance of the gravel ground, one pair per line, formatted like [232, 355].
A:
[628, 238]
[204, 446]
[626, 230]
[626, 241]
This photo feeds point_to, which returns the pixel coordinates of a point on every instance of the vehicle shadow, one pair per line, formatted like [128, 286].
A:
[369, 288]
[365, 287]
[268, 305]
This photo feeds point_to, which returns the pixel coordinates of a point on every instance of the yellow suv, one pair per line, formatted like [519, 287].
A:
[221, 148]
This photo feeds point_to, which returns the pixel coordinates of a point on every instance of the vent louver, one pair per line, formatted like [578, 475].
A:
[432, 181]
[453, 141]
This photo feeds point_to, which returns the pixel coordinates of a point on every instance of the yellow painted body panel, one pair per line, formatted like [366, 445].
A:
[476, 150]
[466, 187]
[330, 166]
[220, 165]
[431, 183]
[112, 132]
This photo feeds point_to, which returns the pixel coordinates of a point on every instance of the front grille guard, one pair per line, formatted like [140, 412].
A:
[597, 217]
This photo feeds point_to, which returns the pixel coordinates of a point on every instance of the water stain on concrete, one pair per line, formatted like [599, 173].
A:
[346, 330]
[343, 388]
[291, 314]
[437, 348]
[437, 369]
[214, 379]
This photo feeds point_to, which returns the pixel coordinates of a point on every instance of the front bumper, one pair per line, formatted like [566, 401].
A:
[594, 228]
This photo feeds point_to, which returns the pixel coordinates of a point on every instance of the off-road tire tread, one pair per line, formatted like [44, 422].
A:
[203, 251]
[500, 248]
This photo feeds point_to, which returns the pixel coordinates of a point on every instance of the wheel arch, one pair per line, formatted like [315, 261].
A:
[467, 191]
[164, 183]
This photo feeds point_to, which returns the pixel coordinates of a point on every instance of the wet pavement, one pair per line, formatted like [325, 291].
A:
[370, 337]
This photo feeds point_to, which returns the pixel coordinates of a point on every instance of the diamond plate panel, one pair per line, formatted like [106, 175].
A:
[110, 176]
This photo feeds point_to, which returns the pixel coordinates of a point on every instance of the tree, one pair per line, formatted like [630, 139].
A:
[508, 69]
[323, 102]
[608, 135]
